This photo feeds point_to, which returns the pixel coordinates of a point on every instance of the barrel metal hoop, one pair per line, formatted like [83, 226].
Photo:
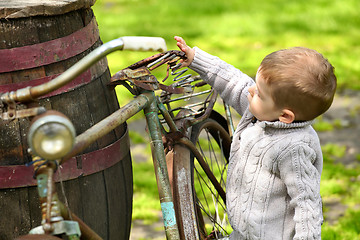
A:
[40, 54]
[15, 176]
[65, 47]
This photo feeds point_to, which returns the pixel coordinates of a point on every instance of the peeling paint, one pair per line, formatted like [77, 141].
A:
[168, 212]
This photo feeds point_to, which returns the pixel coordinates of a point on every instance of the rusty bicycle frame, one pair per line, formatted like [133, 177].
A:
[146, 101]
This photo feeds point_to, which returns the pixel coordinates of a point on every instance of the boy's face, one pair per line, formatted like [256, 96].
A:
[261, 104]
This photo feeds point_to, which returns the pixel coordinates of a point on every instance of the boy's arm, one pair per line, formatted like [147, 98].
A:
[230, 82]
[302, 180]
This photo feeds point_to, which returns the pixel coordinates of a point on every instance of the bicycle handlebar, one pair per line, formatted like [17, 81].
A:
[123, 43]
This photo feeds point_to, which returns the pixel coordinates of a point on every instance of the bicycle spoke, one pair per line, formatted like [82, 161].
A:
[211, 189]
[211, 217]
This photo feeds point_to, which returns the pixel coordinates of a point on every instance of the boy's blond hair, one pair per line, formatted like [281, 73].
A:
[301, 80]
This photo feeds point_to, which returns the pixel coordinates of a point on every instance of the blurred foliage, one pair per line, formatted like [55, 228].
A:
[241, 32]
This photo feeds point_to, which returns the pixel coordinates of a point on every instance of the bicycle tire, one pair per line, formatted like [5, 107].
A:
[196, 216]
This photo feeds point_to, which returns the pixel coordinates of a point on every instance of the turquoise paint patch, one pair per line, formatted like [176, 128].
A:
[42, 184]
[168, 212]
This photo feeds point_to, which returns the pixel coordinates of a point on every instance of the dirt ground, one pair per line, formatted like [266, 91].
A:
[345, 111]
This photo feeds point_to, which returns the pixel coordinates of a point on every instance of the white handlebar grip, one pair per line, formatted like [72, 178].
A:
[144, 43]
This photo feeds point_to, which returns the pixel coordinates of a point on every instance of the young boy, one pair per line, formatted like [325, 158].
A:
[273, 181]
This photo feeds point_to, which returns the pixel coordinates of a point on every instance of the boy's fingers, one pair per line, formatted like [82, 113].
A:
[179, 39]
[186, 49]
[181, 43]
[182, 47]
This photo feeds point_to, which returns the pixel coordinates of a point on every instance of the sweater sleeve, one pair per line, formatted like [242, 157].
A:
[230, 82]
[302, 180]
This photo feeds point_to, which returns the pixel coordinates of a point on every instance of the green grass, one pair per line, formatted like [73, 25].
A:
[350, 222]
[146, 205]
[340, 182]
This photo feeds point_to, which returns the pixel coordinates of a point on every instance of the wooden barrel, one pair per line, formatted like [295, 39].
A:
[38, 41]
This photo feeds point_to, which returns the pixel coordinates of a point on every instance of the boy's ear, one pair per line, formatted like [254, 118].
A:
[287, 116]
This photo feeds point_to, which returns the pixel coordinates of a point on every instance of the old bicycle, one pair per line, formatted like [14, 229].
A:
[190, 144]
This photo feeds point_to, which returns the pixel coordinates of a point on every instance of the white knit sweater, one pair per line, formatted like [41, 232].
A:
[273, 181]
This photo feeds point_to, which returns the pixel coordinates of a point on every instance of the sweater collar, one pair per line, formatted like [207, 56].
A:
[281, 125]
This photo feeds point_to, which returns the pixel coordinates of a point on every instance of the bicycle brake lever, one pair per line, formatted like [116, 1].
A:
[9, 112]
[31, 112]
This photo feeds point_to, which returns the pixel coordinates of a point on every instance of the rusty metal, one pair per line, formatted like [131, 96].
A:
[184, 203]
[106, 125]
[10, 110]
[171, 89]
[186, 87]
[180, 77]
[30, 112]
[183, 193]
[151, 64]
[190, 107]
[148, 83]
[49, 197]
[192, 121]
[168, 118]
[44, 172]
[136, 72]
[37, 237]
[171, 59]
[187, 96]
[86, 232]
[53, 210]
[128, 74]
[162, 177]
[141, 77]
[153, 58]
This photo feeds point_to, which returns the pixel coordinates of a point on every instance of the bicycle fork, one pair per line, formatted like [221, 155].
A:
[53, 222]
[161, 172]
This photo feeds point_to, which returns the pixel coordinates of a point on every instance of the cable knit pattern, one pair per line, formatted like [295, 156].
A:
[273, 181]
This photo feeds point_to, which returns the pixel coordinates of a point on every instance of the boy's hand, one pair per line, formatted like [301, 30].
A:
[189, 52]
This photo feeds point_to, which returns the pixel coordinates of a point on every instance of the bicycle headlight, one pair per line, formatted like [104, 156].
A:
[51, 135]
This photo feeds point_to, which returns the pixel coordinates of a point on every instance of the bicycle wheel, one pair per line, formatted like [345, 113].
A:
[199, 182]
